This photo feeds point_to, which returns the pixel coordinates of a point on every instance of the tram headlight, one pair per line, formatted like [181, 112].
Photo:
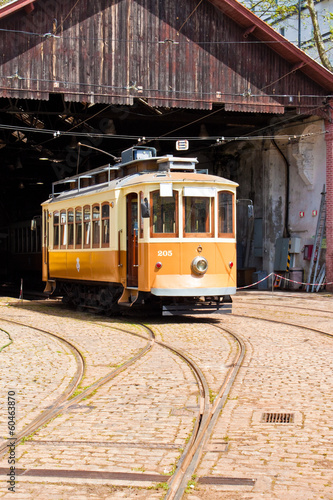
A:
[199, 265]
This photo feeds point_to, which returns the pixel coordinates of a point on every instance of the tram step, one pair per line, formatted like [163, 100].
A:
[180, 309]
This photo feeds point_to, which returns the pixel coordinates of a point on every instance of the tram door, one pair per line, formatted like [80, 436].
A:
[132, 240]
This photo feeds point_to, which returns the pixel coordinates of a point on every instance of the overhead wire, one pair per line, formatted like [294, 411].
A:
[140, 41]
[169, 91]
[163, 137]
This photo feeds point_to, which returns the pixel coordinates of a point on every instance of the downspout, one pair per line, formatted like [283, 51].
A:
[286, 233]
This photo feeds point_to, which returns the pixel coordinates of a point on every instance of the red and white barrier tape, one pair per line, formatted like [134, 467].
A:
[21, 290]
[286, 279]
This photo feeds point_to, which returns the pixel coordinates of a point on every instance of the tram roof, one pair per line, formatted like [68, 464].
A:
[135, 171]
[155, 177]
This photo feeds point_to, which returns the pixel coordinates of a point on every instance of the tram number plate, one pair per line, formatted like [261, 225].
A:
[164, 253]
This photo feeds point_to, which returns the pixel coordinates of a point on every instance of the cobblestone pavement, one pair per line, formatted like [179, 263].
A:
[209, 347]
[286, 370]
[139, 422]
[136, 423]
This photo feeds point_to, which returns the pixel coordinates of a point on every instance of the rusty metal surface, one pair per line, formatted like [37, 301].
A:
[119, 50]
[105, 444]
[236, 481]
[87, 474]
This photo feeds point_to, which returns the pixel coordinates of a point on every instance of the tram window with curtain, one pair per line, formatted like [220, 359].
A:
[197, 214]
[56, 220]
[226, 216]
[78, 227]
[164, 216]
[105, 225]
[70, 219]
[96, 225]
[87, 226]
[63, 229]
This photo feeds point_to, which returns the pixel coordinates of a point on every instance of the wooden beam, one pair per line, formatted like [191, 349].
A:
[15, 6]
[249, 30]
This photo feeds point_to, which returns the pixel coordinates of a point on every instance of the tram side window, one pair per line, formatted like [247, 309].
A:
[197, 215]
[63, 229]
[78, 228]
[70, 218]
[86, 227]
[164, 218]
[56, 221]
[105, 225]
[226, 218]
[96, 225]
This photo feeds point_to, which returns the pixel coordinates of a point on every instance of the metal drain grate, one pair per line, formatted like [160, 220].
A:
[277, 418]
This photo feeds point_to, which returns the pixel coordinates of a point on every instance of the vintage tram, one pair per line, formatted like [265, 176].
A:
[152, 231]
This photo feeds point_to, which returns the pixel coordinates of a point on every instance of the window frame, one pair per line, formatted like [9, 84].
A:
[63, 229]
[56, 226]
[164, 235]
[232, 234]
[95, 222]
[105, 244]
[70, 225]
[209, 234]
[84, 222]
[77, 223]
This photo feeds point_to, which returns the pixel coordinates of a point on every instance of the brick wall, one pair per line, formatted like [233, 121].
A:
[329, 203]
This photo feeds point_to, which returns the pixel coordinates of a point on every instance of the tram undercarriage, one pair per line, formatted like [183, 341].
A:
[103, 298]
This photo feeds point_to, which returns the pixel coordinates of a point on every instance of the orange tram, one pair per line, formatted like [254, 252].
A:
[149, 231]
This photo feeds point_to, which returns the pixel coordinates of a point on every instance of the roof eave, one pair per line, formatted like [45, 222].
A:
[262, 31]
[10, 8]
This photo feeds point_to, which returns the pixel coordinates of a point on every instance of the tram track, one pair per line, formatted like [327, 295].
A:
[192, 454]
[207, 417]
[49, 413]
[64, 400]
[206, 430]
[207, 413]
[319, 311]
[278, 321]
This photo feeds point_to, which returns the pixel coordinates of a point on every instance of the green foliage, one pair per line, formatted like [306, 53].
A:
[275, 12]
[4, 2]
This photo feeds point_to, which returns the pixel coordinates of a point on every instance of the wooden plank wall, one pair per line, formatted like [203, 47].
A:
[112, 51]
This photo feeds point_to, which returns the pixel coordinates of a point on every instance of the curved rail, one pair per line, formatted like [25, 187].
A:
[284, 306]
[202, 384]
[63, 402]
[191, 456]
[310, 328]
[75, 382]
[207, 414]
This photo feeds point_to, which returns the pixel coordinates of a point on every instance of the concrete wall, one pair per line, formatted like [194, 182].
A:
[261, 169]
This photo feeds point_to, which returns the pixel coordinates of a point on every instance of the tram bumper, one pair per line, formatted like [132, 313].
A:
[193, 286]
[191, 295]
